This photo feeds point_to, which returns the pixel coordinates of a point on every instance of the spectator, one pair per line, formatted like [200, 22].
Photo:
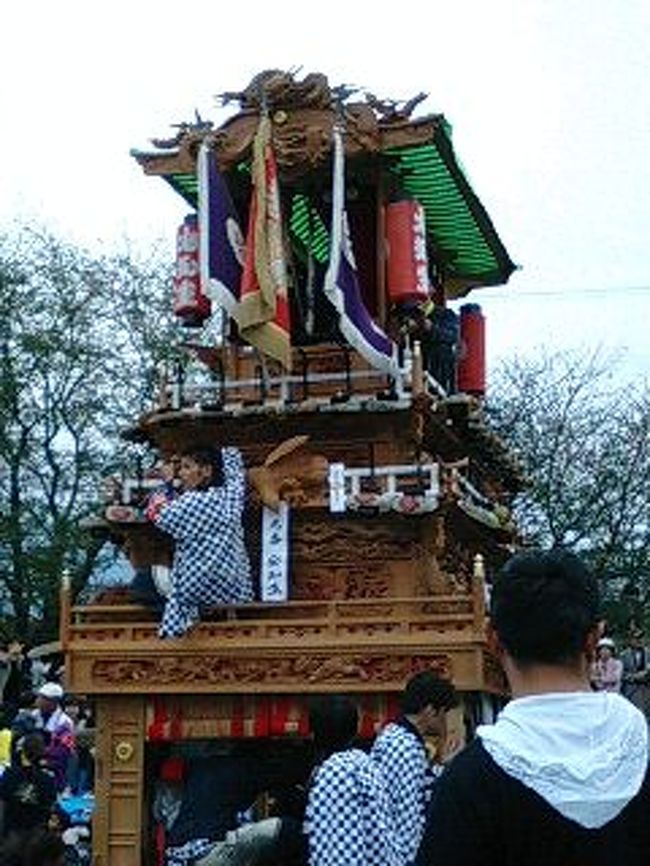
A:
[23, 721]
[80, 767]
[401, 754]
[211, 565]
[636, 671]
[27, 789]
[204, 829]
[561, 778]
[5, 740]
[606, 671]
[348, 818]
[40, 848]
[58, 729]
[16, 675]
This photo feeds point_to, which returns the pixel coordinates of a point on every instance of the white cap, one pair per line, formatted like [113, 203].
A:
[53, 691]
[606, 641]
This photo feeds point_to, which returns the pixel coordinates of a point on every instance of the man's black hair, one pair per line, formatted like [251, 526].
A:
[543, 606]
[207, 456]
[426, 688]
[33, 747]
[334, 721]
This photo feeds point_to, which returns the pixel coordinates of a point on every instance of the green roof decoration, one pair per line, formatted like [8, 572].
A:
[415, 156]
[458, 225]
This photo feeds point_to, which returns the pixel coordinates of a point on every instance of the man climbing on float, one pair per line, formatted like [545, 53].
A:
[211, 564]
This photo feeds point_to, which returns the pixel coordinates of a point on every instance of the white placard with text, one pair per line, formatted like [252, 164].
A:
[336, 479]
[275, 554]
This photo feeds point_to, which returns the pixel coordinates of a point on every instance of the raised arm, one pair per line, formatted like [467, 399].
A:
[234, 472]
[195, 512]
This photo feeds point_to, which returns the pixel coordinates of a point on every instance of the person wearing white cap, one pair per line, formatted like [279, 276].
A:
[58, 728]
[606, 670]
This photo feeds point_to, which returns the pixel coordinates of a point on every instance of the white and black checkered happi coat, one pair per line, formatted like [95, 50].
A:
[347, 820]
[401, 755]
[211, 565]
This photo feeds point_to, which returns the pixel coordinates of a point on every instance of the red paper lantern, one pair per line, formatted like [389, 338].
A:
[408, 274]
[471, 361]
[190, 304]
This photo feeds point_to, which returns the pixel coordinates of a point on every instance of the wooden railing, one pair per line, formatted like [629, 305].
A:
[388, 621]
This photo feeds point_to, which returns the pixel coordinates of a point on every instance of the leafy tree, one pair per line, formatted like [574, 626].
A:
[585, 441]
[79, 338]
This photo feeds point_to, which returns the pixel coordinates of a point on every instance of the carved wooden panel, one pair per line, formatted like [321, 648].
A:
[345, 540]
[314, 672]
[343, 581]
[355, 557]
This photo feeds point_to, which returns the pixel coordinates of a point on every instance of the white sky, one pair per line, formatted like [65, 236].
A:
[549, 102]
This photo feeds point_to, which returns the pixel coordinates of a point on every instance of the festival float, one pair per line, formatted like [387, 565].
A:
[321, 272]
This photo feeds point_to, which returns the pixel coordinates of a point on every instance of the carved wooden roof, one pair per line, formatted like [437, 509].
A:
[381, 138]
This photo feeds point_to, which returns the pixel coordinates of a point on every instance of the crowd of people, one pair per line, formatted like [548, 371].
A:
[46, 760]
[342, 801]
[560, 777]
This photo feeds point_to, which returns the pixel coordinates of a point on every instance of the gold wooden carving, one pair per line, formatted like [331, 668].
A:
[119, 810]
[232, 674]
[342, 581]
[348, 540]
[124, 751]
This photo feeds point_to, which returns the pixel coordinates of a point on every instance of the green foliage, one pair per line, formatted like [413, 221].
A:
[80, 338]
[585, 442]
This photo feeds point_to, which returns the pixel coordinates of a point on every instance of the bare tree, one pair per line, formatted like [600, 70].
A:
[585, 441]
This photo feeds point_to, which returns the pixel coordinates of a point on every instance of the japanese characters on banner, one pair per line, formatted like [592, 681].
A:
[407, 265]
[189, 301]
[275, 554]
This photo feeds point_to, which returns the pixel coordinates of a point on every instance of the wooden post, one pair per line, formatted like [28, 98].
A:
[417, 372]
[65, 606]
[119, 781]
[478, 593]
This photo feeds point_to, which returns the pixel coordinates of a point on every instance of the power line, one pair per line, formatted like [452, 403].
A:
[520, 294]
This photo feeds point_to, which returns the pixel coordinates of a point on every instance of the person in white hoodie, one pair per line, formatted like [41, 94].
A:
[561, 778]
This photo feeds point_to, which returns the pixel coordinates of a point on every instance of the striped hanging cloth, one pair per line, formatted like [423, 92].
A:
[341, 283]
[263, 310]
[221, 239]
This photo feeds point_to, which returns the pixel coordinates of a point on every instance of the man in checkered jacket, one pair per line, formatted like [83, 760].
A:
[401, 754]
[348, 819]
[211, 565]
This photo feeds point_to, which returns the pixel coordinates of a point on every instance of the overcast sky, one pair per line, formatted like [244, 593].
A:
[549, 102]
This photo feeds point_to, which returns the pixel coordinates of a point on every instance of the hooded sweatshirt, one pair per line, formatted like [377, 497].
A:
[559, 780]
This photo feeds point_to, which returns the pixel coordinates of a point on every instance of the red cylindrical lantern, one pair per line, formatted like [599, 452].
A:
[408, 275]
[190, 304]
[471, 361]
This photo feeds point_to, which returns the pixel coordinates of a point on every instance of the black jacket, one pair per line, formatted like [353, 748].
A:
[481, 816]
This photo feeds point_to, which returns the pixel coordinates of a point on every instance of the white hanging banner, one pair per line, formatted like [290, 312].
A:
[275, 554]
[337, 487]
